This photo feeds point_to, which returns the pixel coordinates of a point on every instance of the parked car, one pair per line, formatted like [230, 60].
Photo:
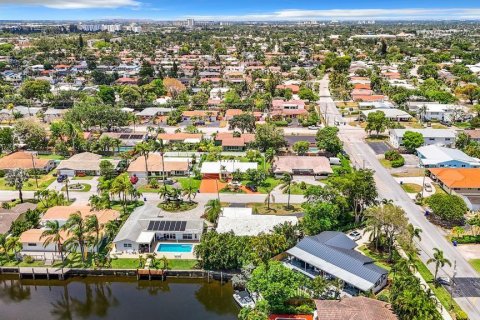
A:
[314, 127]
[428, 187]
[355, 235]
[251, 187]
[61, 178]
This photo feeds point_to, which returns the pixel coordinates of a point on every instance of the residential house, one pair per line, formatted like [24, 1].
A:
[431, 111]
[146, 227]
[464, 182]
[390, 114]
[7, 216]
[50, 115]
[231, 143]
[441, 137]
[128, 140]
[85, 163]
[243, 222]
[302, 165]
[156, 166]
[332, 254]
[225, 168]
[433, 156]
[358, 308]
[473, 134]
[290, 108]
[180, 137]
[27, 161]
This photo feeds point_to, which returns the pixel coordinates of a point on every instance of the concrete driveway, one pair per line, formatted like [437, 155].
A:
[419, 181]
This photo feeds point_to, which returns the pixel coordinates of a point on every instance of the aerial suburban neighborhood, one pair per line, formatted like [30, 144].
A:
[307, 169]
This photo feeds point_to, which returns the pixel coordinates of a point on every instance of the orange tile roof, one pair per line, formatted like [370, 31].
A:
[358, 308]
[290, 316]
[22, 160]
[233, 112]
[64, 212]
[200, 113]
[179, 136]
[458, 177]
[35, 236]
[154, 164]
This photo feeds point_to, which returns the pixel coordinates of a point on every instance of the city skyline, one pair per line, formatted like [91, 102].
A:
[247, 10]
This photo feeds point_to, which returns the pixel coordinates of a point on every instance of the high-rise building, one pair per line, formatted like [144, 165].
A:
[190, 23]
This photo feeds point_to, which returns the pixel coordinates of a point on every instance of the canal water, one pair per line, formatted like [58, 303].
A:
[109, 298]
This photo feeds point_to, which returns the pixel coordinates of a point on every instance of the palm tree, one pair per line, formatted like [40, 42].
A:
[144, 149]
[111, 229]
[439, 261]
[269, 199]
[3, 240]
[71, 131]
[121, 186]
[13, 244]
[213, 208]
[189, 192]
[16, 178]
[75, 227]
[92, 225]
[286, 186]
[164, 194]
[160, 147]
[422, 110]
[53, 234]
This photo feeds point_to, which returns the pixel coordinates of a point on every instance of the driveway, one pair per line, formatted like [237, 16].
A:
[419, 181]
[379, 147]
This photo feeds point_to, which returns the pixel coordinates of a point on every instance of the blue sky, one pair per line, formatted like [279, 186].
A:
[238, 10]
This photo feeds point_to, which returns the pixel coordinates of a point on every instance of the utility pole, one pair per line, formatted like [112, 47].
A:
[452, 284]
[34, 170]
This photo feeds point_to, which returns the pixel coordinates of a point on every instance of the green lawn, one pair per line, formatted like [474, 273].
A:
[475, 264]
[440, 292]
[174, 264]
[411, 187]
[275, 208]
[30, 185]
[380, 259]
[385, 163]
[297, 189]
[186, 182]
[83, 178]
[268, 185]
[51, 156]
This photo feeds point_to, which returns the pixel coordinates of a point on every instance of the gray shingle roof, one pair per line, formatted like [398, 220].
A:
[336, 249]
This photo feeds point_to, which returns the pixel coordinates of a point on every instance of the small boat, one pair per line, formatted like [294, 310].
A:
[244, 299]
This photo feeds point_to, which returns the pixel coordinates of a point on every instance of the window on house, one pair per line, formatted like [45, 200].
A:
[32, 244]
[187, 236]
[127, 245]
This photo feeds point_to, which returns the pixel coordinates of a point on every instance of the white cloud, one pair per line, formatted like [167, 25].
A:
[355, 14]
[74, 4]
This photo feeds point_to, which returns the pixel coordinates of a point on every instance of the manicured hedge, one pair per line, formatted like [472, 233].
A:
[467, 239]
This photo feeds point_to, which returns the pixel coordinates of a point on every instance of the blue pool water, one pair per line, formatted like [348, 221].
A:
[174, 247]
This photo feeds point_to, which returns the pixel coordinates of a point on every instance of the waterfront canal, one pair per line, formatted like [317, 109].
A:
[113, 298]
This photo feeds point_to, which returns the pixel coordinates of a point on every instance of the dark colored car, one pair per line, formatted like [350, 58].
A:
[251, 187]
[61, 178]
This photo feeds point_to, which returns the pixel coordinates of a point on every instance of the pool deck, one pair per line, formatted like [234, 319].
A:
[168, 255]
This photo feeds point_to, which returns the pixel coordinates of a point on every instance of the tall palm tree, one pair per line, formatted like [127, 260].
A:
[53, 234]
[16, 178]
[3, 241]
[159, 146]
[13, 244]
[111, 229]
[269, 199]
[439, 261]
[77, 230]
[144, 149]
[121, 186]
[213, 208]
[189, 192]
[92, 225]
[286, 186]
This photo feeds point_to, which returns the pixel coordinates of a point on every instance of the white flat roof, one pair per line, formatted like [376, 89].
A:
[228, 166]
[243, 222]
[145, 237]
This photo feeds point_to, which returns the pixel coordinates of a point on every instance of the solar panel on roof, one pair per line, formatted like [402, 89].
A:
[150, 225]
[184, 224]
[124, 136]
[167, 226]
[161, 227]
[155, 226]
[136, 136]
[178, 225]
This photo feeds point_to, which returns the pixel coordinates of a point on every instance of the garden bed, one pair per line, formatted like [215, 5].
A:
[177, 206]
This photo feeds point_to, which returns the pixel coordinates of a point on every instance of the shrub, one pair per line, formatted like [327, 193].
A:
[450, 208]
[281, 123]
[2, 173]
[395, 158]
[461, 315]
[398, 163]
[467, 239]
[28, 259]
[153, 183]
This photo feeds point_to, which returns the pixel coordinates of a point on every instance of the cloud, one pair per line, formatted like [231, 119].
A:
[74, 4]
[354, 14]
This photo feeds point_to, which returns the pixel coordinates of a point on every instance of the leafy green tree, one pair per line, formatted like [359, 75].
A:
[471, 92]
[376, 121]
[213, 209]
[301, 147]
[328, 140]
[106, 94]
[35, 89]
[53, 233]
[450, 208]
[107, 169]
[412, 140]
[269, 136]
[319, 216]
[7, 139]
[244, 122]
[32, 133]
[77, 233]
[307, 94]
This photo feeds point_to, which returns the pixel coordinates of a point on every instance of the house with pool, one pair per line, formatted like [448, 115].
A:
[147, 230]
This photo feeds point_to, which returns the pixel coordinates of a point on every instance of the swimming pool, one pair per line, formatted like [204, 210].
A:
[175, 247]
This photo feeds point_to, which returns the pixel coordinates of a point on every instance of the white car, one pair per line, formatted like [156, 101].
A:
[355, 235]
[314, 127]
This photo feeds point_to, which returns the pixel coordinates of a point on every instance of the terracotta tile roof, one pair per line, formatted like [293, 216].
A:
[292, 87]
[474, 134]
[179, 136]
[318, 165]
[35, 236]
[357, 308]
[368, 98]
[290, 316]
[233, 112]
[64, 212]
[22, 160]
[154, 163]
[458, 177]
[362, 86]
[200, 113]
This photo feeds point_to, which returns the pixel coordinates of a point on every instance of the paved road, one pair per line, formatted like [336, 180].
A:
[432, 237]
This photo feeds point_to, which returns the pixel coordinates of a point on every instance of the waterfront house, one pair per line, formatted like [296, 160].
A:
[243, 222]
[332, 254]
[146, 227]
[441, 137]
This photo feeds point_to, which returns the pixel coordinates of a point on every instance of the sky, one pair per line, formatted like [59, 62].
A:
[258, 10]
